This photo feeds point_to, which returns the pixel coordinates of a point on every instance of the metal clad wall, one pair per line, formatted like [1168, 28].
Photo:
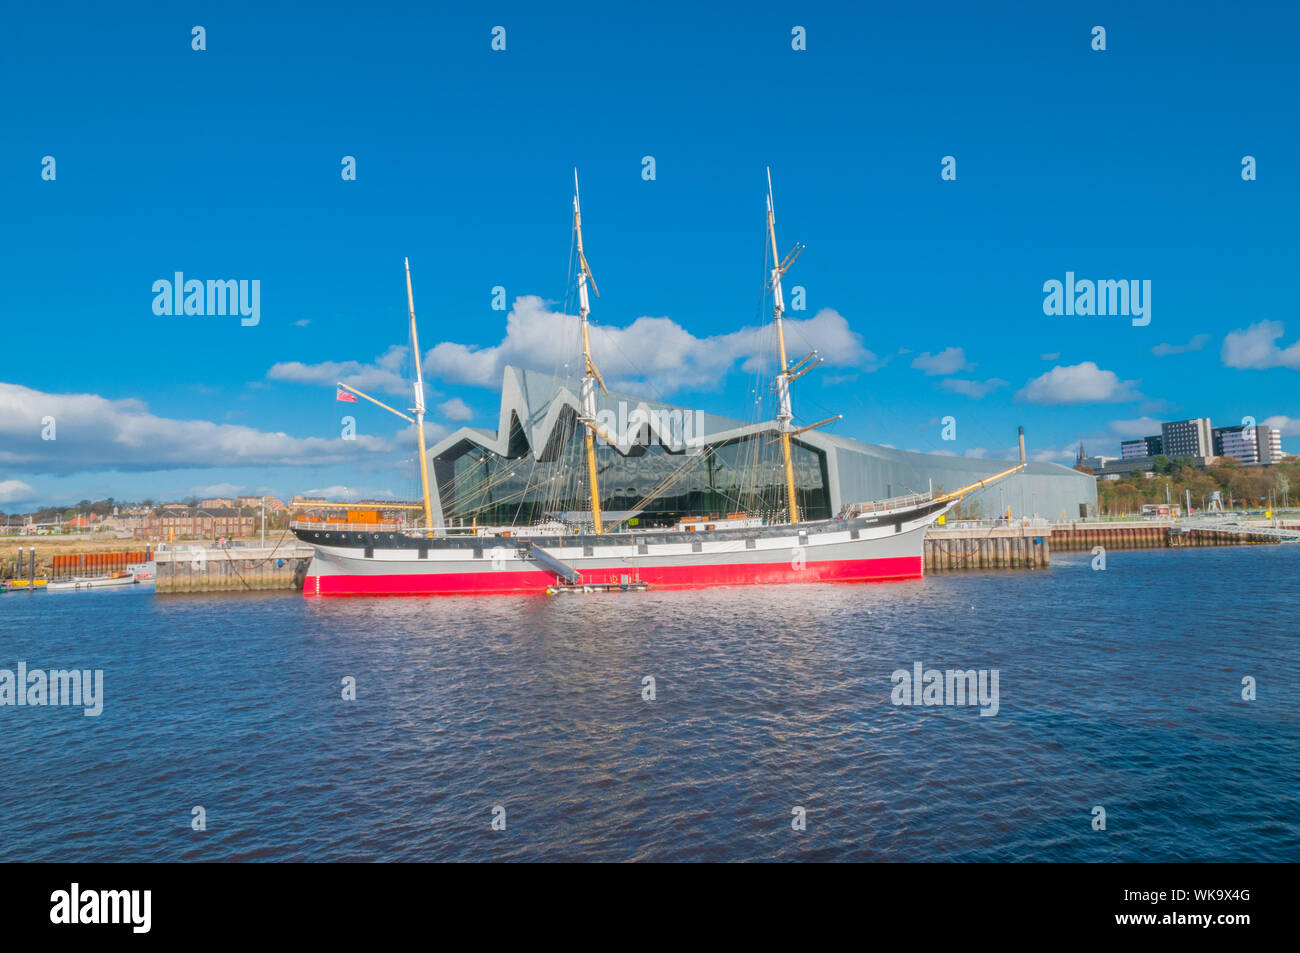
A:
[868, 472]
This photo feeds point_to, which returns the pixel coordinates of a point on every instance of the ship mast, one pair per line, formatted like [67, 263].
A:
[788, 373]
[418, 409]
[419, 402]
[591, 376]
[784, 413]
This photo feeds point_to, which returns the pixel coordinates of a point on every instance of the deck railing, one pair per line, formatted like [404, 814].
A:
[892, 503]
[335, 526]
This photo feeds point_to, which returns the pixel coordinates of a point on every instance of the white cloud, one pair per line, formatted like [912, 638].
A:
[93, 432]
[433, 432]
[1138, 427]
[1256, 348]
[1287, 426]
[654, 350]
[1050, 357]
[973, 389]
[16, 491]
[344, 494]
[220, 489]
[1197, 342]
[948, 361]
[455, 409]
[1084, 383]
[384, 374]
[302, 322]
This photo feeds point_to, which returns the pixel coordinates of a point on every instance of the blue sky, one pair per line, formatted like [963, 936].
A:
[225, 164]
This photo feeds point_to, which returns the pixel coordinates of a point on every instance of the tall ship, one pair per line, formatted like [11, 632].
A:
[589, 549]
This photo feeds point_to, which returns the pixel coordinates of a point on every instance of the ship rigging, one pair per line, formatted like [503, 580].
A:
[878, 540]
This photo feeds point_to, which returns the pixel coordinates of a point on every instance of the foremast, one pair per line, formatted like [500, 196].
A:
[591, 375]
[788, 373]
[419, 402]
[419, 408]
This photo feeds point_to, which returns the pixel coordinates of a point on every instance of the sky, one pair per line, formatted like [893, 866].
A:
[924, 294]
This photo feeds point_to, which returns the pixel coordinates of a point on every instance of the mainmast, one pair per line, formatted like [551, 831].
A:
[788, 373]
[419, 402]
[591, 376]
[784, 413]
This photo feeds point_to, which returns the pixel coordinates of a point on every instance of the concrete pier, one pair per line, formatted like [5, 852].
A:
[952, 549]
[236, 569]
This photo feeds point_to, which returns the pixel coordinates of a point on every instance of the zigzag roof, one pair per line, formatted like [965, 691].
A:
[534, 404]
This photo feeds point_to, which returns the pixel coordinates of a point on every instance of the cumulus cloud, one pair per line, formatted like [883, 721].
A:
[455, 409]
[654, 350]
[973, 389]
[1197, 342]
[1256, 348]
[16, 491]
[94, 433]
[948, 361]
[384, 374]
[1287, 426]
[1137, 427]
[1084, 383]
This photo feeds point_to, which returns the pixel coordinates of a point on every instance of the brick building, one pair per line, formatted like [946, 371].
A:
[200, 523]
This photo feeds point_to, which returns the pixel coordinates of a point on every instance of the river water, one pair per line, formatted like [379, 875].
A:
[1119, 689]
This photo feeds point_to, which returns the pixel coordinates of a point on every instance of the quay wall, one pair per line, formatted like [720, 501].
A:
[234, 569]
[1147, 534]
[993, 547]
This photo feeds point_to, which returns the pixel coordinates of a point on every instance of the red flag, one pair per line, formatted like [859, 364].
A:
[341, 394]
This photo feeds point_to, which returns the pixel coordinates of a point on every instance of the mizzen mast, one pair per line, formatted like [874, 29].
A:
[591, 376]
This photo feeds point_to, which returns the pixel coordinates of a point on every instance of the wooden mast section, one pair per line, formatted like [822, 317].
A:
[419, 402]
[591, 376]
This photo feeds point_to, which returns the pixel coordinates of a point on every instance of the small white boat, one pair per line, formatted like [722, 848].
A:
[95, 582]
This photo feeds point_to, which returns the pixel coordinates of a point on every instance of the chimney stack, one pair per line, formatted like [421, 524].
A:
[1022, 443]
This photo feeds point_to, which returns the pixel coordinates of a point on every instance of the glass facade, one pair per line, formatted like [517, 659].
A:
[741, 476]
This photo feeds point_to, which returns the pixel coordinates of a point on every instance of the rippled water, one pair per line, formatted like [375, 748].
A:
[1119, 688]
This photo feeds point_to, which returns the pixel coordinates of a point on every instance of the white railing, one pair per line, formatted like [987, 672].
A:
[337, 525]
[892, 503]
